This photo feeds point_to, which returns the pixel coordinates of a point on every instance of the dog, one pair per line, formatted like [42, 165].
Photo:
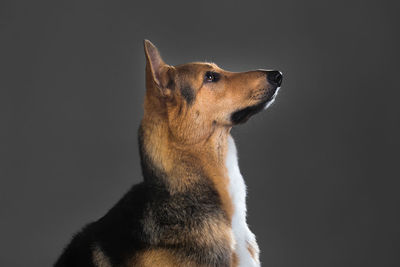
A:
[190, 209]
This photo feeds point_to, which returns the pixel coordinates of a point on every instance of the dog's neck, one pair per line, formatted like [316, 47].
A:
[179, 165]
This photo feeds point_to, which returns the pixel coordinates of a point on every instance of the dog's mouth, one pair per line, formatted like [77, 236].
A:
[242, 115]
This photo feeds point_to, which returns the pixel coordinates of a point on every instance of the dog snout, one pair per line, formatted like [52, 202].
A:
[274, 77]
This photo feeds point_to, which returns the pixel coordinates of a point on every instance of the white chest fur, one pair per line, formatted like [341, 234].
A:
[245, 239]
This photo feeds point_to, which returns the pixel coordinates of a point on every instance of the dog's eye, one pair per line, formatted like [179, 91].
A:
[211, 76]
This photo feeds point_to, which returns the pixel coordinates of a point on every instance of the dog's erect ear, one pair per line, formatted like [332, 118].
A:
[155, 64]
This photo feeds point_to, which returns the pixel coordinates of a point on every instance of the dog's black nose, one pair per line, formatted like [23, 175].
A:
[274, 77]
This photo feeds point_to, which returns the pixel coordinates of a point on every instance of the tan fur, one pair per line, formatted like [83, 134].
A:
[209, 234]
[235, 260]
[202, 132]
[166, 258]
[157, 257]
[252, 251]
[99, 259]
[195, 135]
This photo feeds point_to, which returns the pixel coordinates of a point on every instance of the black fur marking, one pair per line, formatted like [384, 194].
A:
[171, 85]
[171, 82]
[77, 254]
[149, 216]
[188, 94]
[243, 115]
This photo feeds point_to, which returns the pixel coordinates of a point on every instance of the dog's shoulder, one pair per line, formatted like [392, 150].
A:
[149, 218]
[111, 238]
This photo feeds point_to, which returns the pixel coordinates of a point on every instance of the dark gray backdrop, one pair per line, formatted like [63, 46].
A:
[321, 164]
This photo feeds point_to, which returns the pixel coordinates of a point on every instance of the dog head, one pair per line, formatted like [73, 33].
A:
[198, 97]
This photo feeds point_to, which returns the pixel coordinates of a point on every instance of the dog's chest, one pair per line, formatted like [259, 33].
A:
[244, 238]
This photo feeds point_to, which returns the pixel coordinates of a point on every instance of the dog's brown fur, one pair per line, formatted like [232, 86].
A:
[195, 134]
[181, 214]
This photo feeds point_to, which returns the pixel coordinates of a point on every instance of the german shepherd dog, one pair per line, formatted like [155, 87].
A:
[190, 209]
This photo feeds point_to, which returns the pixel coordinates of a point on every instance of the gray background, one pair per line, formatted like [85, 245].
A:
[321, 164]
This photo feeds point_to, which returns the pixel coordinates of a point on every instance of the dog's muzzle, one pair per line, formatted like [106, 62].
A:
[274, 78]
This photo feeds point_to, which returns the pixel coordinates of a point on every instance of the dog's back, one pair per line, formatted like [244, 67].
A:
[106, 241]
[150, 221]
